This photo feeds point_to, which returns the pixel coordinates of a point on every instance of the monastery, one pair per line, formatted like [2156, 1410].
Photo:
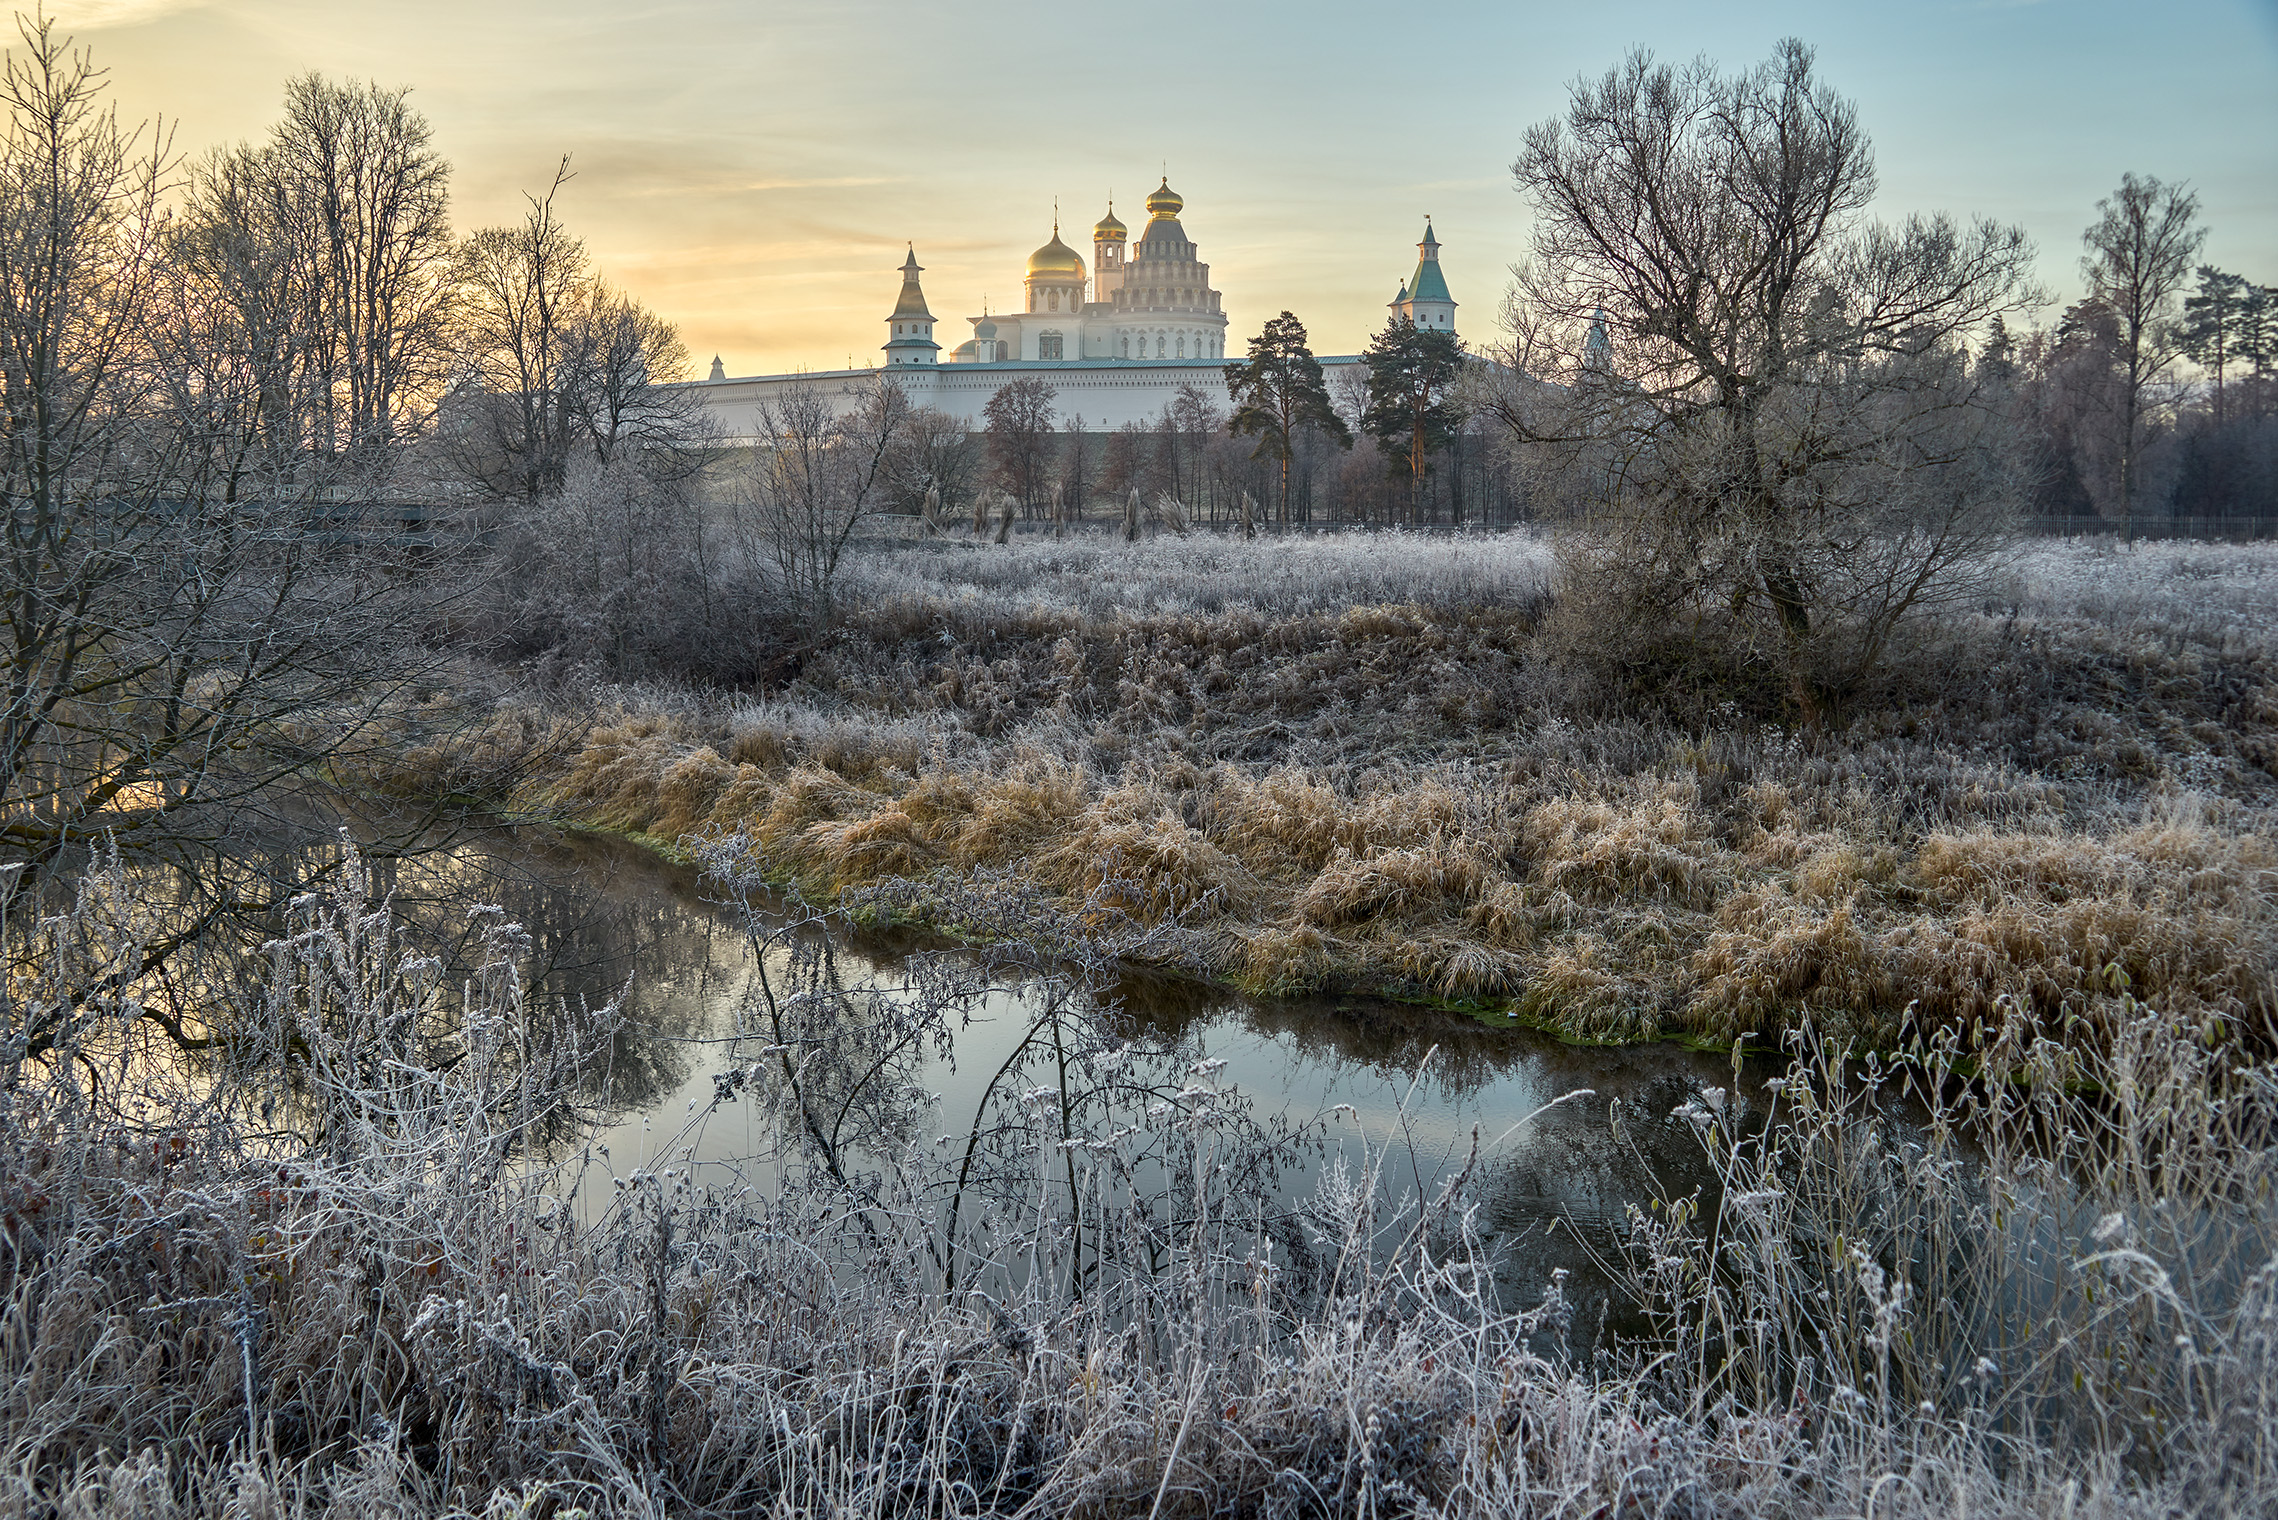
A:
[1116, 339]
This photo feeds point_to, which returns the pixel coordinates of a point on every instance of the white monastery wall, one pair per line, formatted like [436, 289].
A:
[1106, 394]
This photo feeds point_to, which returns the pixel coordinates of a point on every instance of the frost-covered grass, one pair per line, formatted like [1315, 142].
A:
[1352, 759]
[1097, 576]
[2211, 592]
[328, 1276]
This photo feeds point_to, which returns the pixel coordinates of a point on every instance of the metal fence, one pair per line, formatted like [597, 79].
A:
[2236, 530]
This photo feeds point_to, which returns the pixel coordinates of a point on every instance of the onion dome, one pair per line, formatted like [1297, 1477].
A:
[1165, 203]
[984, 328]
[1109, 229]
[1056, 263]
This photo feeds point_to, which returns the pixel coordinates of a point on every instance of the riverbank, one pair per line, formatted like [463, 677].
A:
[1894, 1292]
[1352, 764]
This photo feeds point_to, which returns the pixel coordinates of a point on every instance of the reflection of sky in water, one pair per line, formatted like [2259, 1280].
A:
[603, 915]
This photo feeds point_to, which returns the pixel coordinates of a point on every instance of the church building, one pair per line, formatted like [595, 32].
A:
[1154, 303]
[1117, 339]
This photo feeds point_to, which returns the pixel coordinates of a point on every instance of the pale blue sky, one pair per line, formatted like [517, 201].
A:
[753, 169]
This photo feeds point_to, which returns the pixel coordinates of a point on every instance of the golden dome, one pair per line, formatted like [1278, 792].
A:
[1109, 229]
[1055, 262]
[1164, 204]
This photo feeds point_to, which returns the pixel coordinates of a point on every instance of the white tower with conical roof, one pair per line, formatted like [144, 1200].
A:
[910, 329]
[1424, 300]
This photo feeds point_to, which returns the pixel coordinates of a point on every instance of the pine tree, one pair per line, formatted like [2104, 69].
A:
[2257, 343]
[1997, 360]
[1277, 391]
[2210, 330]
[1411, 412]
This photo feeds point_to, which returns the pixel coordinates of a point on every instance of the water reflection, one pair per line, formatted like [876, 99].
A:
[606, 920]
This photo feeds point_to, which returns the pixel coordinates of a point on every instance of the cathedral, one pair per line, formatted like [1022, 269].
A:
[1148, 298]
[1117, 339]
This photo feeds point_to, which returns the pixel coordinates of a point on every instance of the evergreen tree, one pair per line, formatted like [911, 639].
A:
[1278, 390]
[1411, 411]
[1997, 361]
[2209, 331]
[2257, 343]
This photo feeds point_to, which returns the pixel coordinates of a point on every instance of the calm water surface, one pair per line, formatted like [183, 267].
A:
[607, 919]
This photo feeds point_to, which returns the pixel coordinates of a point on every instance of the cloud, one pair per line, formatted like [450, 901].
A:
[819, 184]
[663, 180]
[101, 15]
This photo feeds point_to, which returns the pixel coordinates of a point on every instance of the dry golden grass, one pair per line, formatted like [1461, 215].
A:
[1410, 797]
[1656, 850]
[1415, 883]
[1626, 907]
[1129, 852]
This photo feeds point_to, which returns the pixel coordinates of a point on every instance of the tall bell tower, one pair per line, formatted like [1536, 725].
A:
[1108, 243]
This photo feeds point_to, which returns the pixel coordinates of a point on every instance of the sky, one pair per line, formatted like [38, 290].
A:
[754, 170]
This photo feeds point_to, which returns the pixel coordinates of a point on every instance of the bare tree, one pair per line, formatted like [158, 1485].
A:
[559, 365]
[622, 360]
[523, 290]
[2139, 252]
[172, 655]
[311, 276]
[1764, 391]
[1075, 483]
[352, 167]
[233, 345]
[936, 457]
[1191, 419]
[1020, 418]
[818, 471]
[1123, 461]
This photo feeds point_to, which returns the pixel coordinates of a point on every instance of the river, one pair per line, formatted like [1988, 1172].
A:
[1349, 1079]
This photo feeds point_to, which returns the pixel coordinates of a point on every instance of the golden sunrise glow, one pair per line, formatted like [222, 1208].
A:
[754, 171]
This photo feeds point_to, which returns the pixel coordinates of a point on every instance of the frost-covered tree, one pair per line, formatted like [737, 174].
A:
[821, 467]
[2138, 254]
[1765, 390]
[173, 652]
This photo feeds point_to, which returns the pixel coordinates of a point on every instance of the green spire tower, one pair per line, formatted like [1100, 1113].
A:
[1424, 300]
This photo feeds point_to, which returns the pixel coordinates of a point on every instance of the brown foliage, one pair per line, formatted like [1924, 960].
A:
[1413, 797]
